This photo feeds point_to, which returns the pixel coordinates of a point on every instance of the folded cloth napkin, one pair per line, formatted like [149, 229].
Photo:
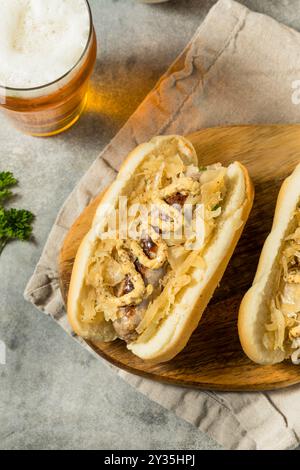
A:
[240, 67]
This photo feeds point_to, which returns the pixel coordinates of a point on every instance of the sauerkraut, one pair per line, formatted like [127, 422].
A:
[141, 277]
[283, 330]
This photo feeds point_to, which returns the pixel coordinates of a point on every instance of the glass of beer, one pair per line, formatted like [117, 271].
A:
[47, 54]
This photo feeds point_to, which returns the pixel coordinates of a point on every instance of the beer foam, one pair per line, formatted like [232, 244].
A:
[40, 40]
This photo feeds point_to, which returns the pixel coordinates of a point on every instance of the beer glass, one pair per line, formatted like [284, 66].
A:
[53, 107]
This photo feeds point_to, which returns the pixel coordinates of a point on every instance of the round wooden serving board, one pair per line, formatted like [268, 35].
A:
[213, 358]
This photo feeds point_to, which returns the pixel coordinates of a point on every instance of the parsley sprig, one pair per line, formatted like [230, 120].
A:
[5, 194]
[15, 224]
[7, 179]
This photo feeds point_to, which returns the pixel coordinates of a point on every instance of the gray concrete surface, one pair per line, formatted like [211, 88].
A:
[53, 394]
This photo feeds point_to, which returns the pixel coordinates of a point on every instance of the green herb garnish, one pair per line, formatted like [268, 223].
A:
[203, 168]
[15, 224]
[4, 195]
[7, 179]
[216, 207]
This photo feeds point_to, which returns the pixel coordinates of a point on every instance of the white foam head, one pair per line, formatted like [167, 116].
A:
[40, 40]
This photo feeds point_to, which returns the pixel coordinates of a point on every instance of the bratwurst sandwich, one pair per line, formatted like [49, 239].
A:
[151, 286]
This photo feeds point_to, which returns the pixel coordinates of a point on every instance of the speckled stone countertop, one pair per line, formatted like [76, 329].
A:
[54, 394]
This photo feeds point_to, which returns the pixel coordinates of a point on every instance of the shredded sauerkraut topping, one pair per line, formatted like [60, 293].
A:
[135, 282]
[283, 331]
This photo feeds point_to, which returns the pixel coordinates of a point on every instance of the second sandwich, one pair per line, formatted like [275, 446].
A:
[269, 317]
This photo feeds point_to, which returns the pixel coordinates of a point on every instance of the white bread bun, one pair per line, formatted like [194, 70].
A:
[163, 341]
[254, 311]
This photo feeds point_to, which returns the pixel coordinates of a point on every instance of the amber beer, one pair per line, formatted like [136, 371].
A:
[44, 89]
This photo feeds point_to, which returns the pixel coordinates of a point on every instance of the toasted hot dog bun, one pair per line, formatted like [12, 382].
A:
[162, 339]
[254, 311]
